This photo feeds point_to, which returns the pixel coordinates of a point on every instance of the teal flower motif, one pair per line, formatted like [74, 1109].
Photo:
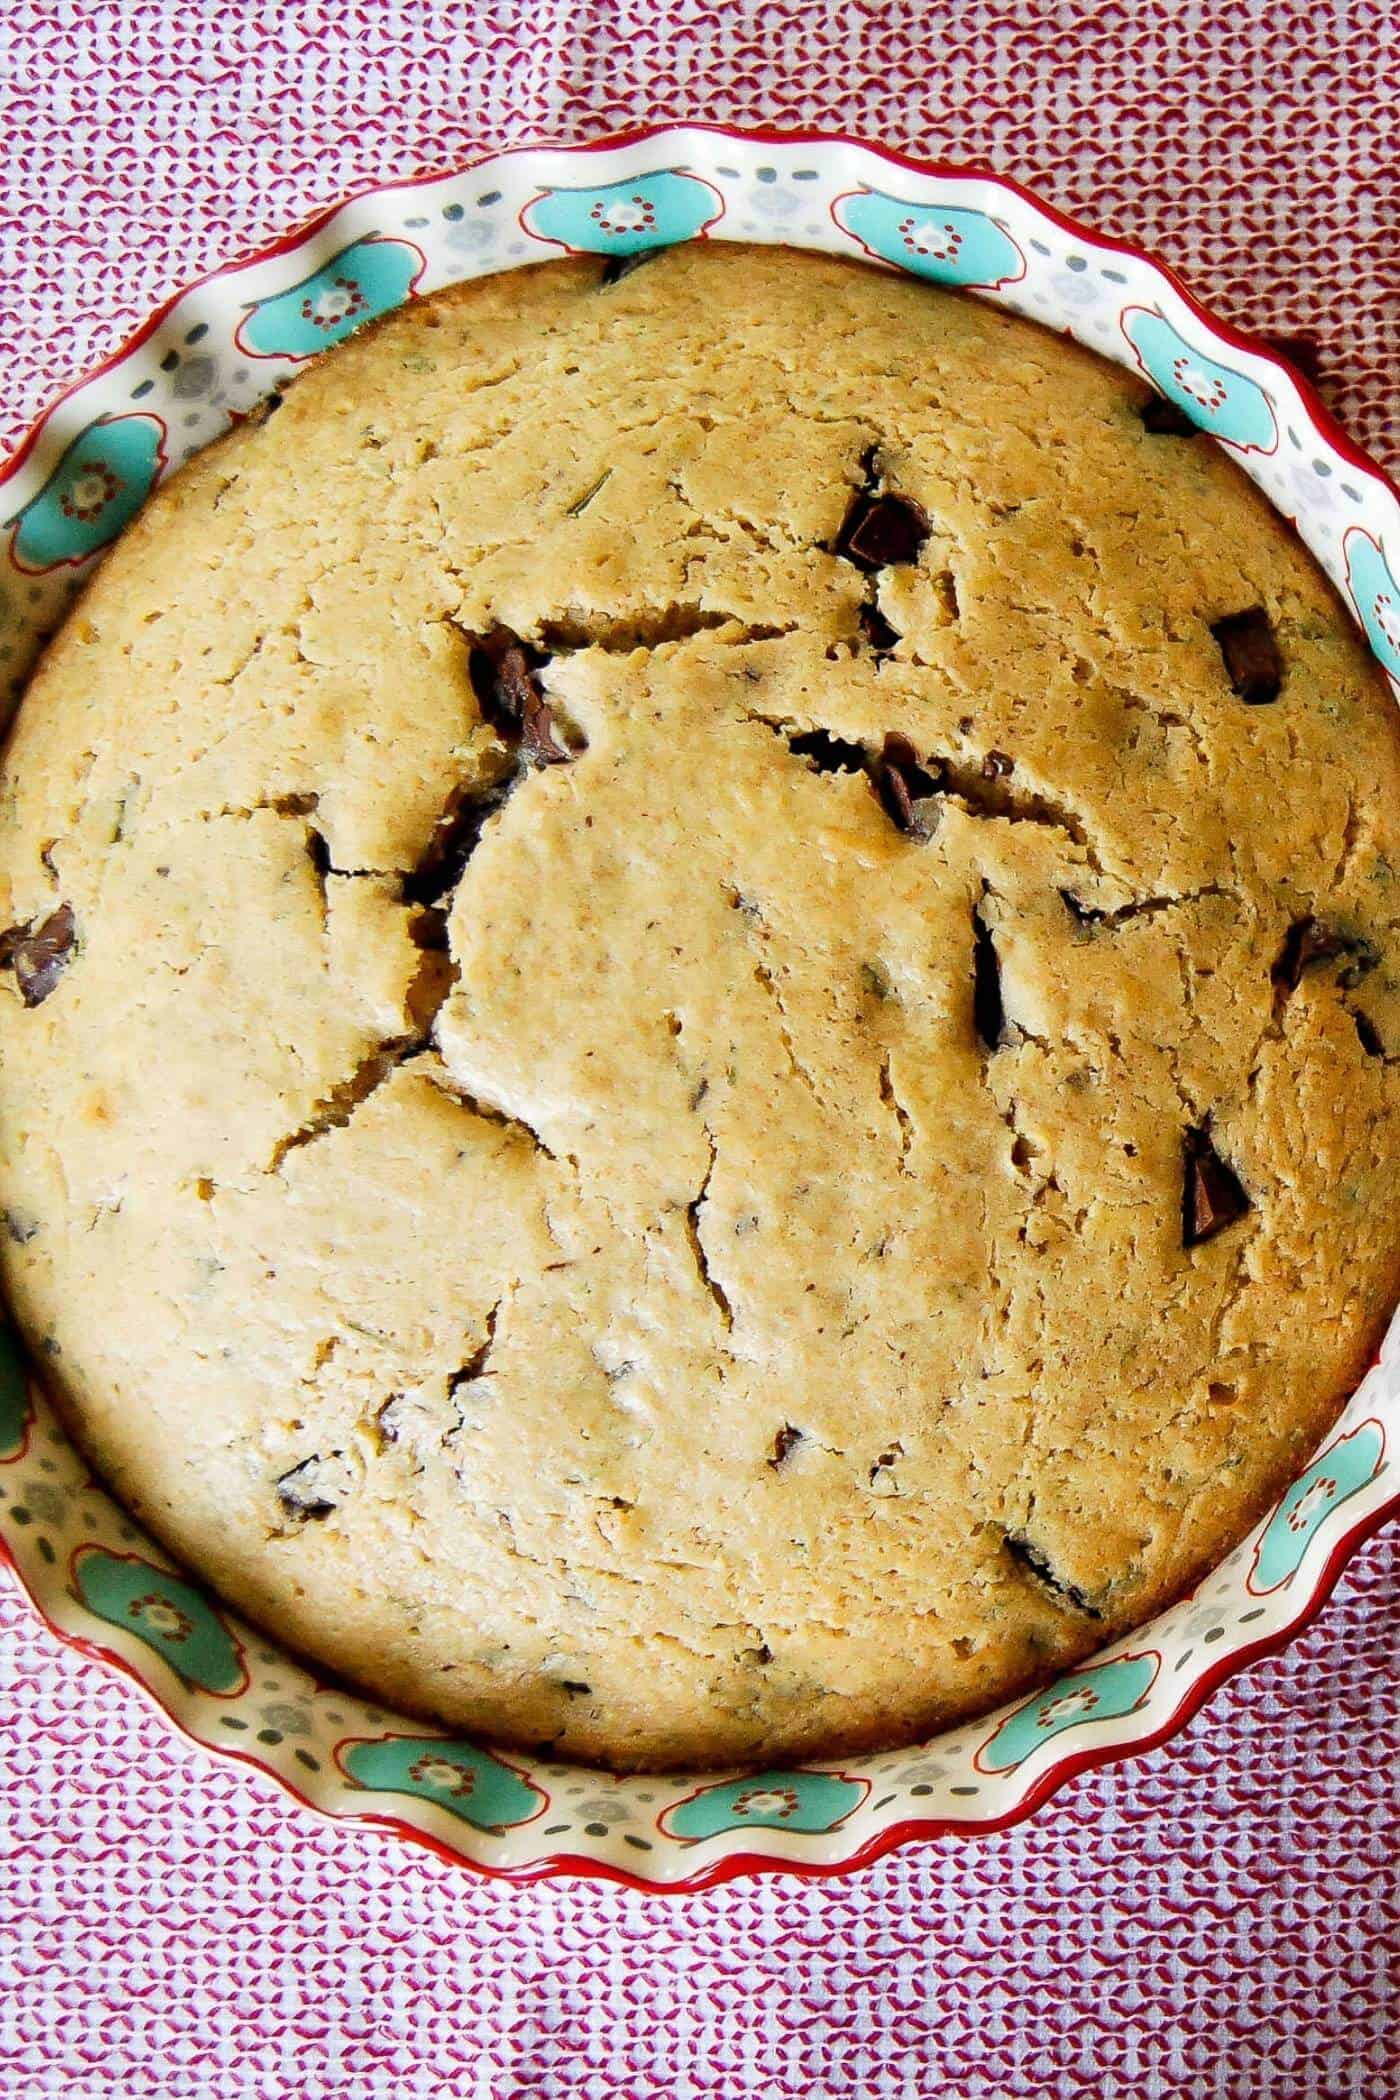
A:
[369, 277]
[169, 1615]
[626, 218]
[1214, 396]
[470, 1783]
[1339, 1473]
[1377, 596]
[15, 1411]
[811, 1802]
[95, 490]
[1103, 1693]
[945, 242]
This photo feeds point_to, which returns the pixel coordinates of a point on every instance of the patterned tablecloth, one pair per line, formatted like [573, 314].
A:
[1214, 1919]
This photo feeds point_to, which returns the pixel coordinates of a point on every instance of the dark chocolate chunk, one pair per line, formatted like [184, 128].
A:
[988, 1013]
[1038, 1564]
[1306, 943]
[619, 266]
[877, 629]
[504, 675]
[784, 1443]
[1251, 655]
[39, 955]
[538, 741]
[499, 668]
[1309, 943]
[882, 530]
[1164, 418]
[1368, 1034]
[575, 1687]
[887, 1459]
[1212, 1194]
[303, 1493]
[828, 754]
[902, 782]
[996, 765]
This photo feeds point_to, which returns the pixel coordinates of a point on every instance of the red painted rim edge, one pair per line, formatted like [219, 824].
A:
[913, 1830]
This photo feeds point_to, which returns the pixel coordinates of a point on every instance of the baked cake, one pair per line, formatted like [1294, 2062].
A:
[700, 1025]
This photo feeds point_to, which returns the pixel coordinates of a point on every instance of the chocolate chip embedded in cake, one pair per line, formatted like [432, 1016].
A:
[1251, 654]
[39, 953]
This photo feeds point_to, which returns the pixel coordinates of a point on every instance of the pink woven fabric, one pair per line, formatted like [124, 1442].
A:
[1213, 1920]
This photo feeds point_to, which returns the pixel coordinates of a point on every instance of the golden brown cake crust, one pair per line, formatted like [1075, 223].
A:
[885, 1158]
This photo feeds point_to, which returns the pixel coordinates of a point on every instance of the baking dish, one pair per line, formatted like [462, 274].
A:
[209, 356]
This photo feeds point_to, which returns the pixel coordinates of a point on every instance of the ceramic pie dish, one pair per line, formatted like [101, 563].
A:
[75, 484]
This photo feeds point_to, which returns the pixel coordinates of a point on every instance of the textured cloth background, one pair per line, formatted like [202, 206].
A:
[1217, 1919]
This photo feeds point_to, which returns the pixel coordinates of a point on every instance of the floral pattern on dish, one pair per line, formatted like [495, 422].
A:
[1216, 397]
[169, 1614]
[945, 242]
[810, 1802]
[1103, 1692]
[96, 489]
[471, 1784]
[626, 218]
[1376, 595]
[1341, 1471]
[370, 277]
